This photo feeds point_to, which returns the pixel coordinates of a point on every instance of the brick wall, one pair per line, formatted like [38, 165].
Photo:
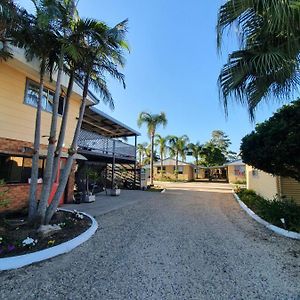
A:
[18, 193]
[17, 196]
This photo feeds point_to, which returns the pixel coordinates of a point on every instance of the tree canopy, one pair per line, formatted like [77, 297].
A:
[267, 63]
[274, 146]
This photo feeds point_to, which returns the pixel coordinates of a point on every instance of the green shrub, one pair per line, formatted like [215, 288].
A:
[273, 210]
[240, 182]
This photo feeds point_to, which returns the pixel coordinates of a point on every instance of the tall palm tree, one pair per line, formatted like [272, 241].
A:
[37, 38]
[161, 142]
[196, 151]
[152, 121]
[61, 15]
[141, 149]
[267, 63]
[178, 147]
[103, 54]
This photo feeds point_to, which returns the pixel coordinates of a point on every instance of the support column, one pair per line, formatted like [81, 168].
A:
[113, 165]
[135, 160]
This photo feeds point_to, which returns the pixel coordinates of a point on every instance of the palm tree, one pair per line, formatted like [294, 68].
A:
[196, 151]
[147, 158]
[152, 121]
[161, 142]
[103, 54]
[10, 21]
[178, 147]
[61, 15]
[39, 42]
[141, 149]
[268, 62]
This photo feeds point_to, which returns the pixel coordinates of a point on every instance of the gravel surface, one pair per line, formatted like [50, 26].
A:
[176, 245]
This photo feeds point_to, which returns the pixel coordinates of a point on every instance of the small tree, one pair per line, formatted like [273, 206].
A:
[196, 151]
[212, 155]
[161, 142]
[141, 151]
[274, 146]
[178, 147]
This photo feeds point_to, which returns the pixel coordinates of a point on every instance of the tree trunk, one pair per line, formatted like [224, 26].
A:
[176, 175]
[151, 158]
[161, 165]
[63, 127]
[72, 152]
[47, 180]
[197, 163]
[32, 201]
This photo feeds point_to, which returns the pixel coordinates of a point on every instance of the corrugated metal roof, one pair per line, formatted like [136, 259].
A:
[99, 122]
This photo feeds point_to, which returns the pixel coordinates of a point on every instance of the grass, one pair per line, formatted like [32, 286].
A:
[273, 211]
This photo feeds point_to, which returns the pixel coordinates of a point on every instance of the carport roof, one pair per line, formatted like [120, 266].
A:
[99, 122]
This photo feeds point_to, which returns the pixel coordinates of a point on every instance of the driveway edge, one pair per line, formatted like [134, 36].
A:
[15, 262]
[253, 215]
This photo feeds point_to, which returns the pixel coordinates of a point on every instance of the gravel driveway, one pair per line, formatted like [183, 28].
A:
[182, 244]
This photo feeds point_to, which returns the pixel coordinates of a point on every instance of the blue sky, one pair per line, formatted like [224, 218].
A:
[173, 67]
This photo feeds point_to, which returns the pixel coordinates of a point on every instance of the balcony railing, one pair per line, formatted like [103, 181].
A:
[105, 146]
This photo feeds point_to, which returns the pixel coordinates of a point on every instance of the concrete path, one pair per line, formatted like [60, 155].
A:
[105, 203]
[182, 244]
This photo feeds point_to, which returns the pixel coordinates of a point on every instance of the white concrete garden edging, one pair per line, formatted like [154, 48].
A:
[15, 262]
[278, 230]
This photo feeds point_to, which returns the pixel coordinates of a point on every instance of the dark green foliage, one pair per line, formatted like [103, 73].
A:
[212, 156]
[273, 210]
[274, 146]
[267, 61]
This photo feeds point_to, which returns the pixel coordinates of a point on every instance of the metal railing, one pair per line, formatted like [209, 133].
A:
[106, 146]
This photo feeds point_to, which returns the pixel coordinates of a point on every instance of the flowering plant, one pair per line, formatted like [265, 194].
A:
[29, 242]
[77, 214]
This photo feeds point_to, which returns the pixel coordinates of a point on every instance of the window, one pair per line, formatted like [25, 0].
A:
[159, 169]
[180, 169]
[32, 94]
[16, 169]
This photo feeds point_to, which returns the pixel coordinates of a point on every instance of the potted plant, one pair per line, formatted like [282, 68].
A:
[115, 190]
[92, 176]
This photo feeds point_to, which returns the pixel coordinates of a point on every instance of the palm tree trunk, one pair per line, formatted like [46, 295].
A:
[176, 174]
[47, 181]
[63, 127]
[161, 165]
[72, 152]
[197, 163]
[151, 157]
[32, 205]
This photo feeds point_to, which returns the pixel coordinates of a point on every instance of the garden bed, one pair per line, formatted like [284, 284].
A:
[18, 238]
[280, 212]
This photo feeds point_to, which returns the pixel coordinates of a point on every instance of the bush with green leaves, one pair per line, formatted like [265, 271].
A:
[274, 146]
[274, 210]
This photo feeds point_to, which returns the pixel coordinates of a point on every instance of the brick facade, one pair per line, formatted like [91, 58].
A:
[18, 193]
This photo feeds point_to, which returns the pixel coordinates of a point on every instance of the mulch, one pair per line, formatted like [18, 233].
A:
[14, 230]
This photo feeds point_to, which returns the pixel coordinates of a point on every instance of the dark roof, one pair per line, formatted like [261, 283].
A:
[97, 121]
